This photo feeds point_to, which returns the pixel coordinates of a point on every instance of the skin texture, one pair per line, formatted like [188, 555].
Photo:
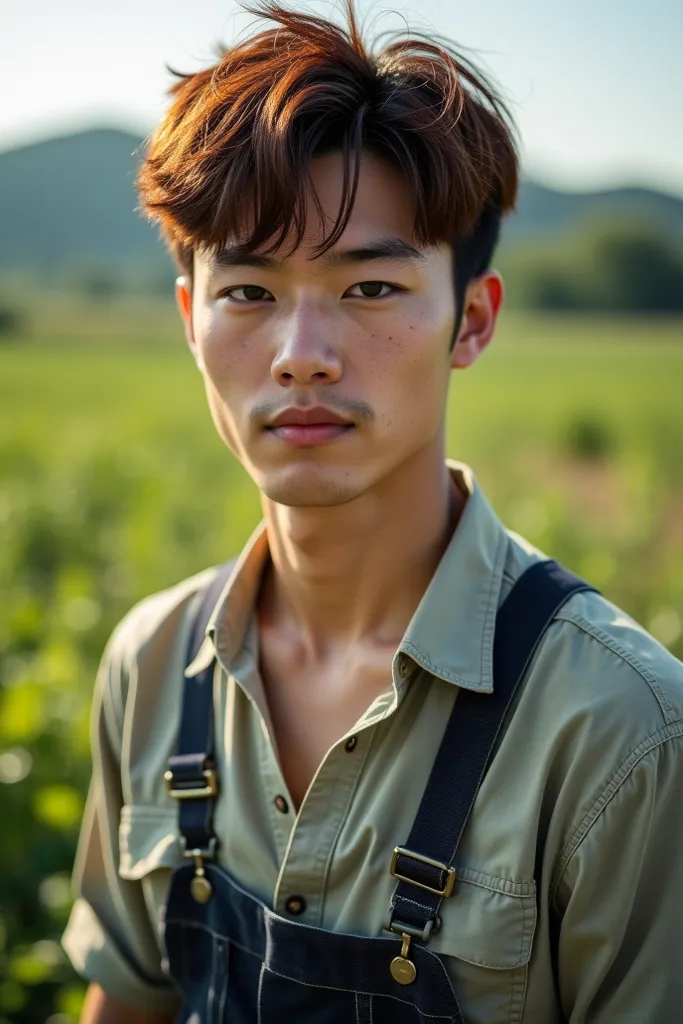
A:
[335, 599]
[315, 336]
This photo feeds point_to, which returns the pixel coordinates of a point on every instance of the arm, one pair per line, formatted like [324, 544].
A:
[102, 1008]
[110, 938]
[621, 892]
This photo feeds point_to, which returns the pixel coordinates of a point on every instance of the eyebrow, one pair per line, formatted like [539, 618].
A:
[391, 249]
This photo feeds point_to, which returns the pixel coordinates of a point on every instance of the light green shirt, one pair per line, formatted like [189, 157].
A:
[568, 903]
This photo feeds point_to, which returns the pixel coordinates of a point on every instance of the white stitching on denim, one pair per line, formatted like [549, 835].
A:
[334, 988]
[226, 982]
[217, 935]
[366, 1016]
[260, 992]
[211, 994]
[416, 903]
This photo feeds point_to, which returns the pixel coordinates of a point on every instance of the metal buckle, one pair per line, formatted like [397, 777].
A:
[400, 927]
[208, 853]
[400, 851]
[188, 793]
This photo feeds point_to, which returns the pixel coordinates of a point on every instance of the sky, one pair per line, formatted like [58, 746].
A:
[596, 86]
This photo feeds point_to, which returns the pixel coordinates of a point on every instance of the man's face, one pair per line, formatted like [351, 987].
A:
[325, 376]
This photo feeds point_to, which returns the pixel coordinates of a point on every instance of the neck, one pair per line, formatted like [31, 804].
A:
[356, 572]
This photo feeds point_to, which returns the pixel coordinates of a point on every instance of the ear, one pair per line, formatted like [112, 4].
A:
[482, 302]
[183, 297]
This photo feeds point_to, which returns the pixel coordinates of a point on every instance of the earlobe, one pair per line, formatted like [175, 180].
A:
[465, 352]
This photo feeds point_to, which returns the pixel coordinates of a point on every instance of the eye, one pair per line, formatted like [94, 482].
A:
[251, 292]
[373, 290]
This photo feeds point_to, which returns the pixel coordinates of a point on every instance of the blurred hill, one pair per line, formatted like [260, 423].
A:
[544, 212]
[68, 218]
[68, 203]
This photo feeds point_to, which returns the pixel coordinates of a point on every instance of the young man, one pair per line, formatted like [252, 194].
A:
[352, 681]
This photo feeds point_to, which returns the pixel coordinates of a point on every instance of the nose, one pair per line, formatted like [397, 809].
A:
[306, 351]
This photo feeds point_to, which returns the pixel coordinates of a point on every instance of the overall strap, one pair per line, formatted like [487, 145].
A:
[424, 866]
[191, 777]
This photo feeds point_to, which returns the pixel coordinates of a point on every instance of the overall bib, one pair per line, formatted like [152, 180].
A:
[235, 961]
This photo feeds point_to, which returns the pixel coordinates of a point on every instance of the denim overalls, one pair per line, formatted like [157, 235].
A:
[235, 961]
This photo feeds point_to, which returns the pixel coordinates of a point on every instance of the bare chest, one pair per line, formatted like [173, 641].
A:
[312, 706]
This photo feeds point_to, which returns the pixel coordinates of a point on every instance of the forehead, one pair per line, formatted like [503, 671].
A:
[383, 208]
[383, 204]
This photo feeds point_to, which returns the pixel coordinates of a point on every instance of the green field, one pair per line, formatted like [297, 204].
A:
[113, 484]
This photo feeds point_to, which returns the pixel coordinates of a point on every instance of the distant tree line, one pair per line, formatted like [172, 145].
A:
[611, 265]
[620, 266]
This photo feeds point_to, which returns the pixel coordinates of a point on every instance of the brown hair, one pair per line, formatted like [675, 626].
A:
[235, 145]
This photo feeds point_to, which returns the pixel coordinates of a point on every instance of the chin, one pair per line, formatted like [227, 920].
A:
[310, 488]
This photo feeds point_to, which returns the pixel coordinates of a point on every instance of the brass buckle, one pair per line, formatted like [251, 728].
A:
[449, 872]
[207, 852]
[210, 789]
[399, 927]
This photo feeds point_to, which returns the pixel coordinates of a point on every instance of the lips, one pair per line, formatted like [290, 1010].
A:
[306, 428]
[311, 416]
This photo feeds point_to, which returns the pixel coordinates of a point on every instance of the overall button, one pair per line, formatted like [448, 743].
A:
[351, 744]
[281, 804]
[295, 905]
[404, 667]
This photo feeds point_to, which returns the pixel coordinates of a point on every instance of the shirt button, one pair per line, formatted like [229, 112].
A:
[351, 744]
[295, 905]
[281, 804]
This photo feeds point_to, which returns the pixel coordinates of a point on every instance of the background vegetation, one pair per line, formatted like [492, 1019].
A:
[618, 249]
[113, 484]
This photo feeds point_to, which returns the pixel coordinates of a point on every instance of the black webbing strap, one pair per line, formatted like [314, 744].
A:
[466, 749]
[190, 776]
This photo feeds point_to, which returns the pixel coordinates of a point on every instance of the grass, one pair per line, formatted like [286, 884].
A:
[113, 484]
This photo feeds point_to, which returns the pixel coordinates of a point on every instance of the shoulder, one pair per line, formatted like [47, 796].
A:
[601, 704]
[634, 662]
[600, 712]
[601, 658]
[145, 646]
[154, 618]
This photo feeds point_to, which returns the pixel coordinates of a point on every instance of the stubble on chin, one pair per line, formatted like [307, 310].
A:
[320, 493]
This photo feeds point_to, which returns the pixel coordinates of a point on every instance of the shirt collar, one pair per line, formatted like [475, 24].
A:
[228, 625]
[451, 633]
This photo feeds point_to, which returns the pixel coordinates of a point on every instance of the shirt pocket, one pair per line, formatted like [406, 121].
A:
[486, 939]
[149, 849]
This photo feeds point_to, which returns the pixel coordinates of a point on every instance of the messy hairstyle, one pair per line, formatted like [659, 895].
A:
[231, 156]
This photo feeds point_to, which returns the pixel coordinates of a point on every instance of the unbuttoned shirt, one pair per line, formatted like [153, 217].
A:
[568, 904]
